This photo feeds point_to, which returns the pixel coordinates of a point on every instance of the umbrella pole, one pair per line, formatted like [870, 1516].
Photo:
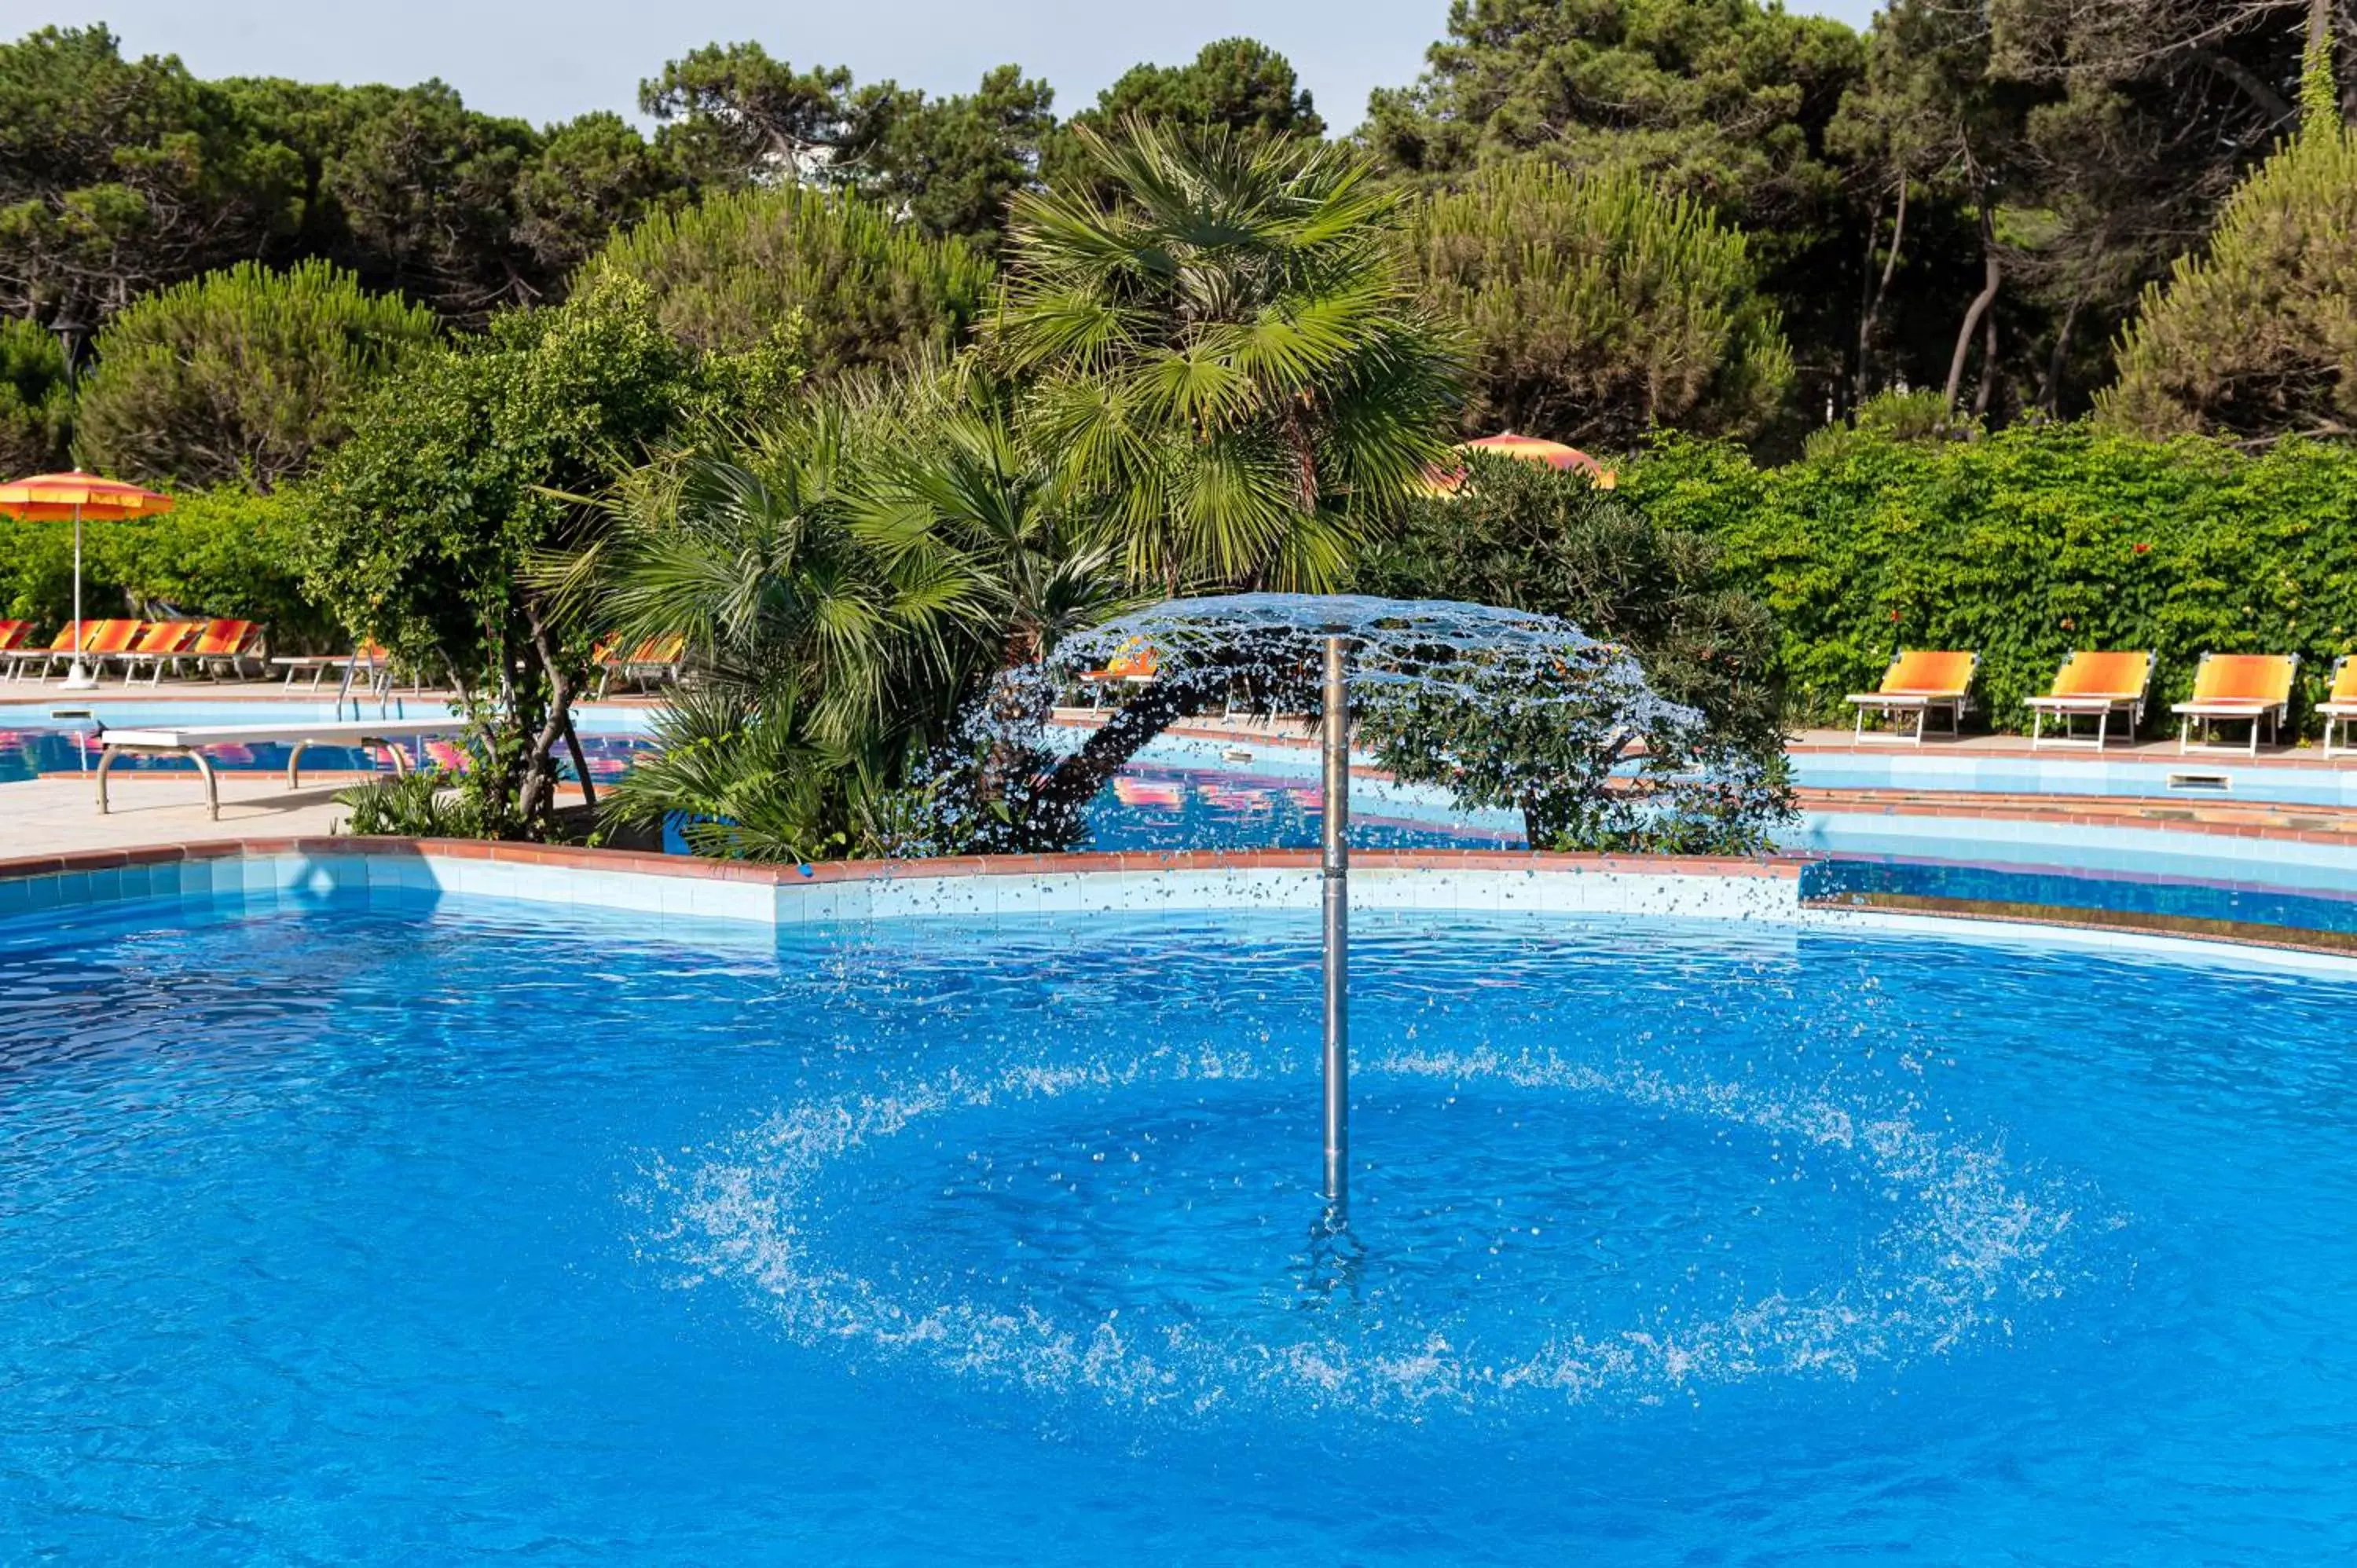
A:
[78, 678]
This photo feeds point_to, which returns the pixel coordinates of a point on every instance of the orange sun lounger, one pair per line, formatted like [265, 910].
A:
[225, 644]
[2339, 705]
[157, 642]
[109, 639]
[655, 659]
[24, 657]
[1132, 664]
[2096, 686]
[1920, 682]
[2253, 688]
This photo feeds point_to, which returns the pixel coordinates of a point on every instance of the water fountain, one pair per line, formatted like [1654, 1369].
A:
[1278, 648]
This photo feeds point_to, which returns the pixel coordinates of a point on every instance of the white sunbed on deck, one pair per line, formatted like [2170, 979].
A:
[191, 742]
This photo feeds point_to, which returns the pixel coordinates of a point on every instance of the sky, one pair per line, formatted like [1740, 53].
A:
[550, 60]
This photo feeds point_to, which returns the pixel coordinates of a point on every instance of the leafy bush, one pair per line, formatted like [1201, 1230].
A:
[240, 375]
[420, 805]
[1531, 537]
[2025, 545]
[218, 553]
[424, 529]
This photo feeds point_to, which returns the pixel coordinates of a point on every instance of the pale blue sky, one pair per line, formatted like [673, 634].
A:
[547, 59]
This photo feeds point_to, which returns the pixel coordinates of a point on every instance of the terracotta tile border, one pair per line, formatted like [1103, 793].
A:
[1774, 867]
[2076, 874]
[2281, 822]
[2131, 922]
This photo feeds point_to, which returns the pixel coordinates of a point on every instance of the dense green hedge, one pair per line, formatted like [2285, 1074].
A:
[218, 553]
[2024, 545]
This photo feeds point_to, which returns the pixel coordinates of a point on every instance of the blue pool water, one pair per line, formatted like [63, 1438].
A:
[52, 736]
[420, 1234]
[1151, 805]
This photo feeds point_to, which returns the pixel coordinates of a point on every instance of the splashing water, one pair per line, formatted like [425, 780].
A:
[1504, 708]
[1395, 647]
[1130, 1223]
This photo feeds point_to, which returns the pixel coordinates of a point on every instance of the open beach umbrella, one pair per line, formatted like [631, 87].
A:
[1554, 453]
[82, 498]
[1528, 449]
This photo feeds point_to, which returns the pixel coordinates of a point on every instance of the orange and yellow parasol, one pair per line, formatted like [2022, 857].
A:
[55, 498]
[1528, 449]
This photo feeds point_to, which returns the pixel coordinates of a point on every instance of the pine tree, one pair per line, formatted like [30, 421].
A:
[2258, 338]
[1597, 306]
[240, 375]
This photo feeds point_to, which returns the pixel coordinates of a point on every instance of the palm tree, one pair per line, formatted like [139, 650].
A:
[829, 640]
[852, 579]
[957, 474]
[1226, 358]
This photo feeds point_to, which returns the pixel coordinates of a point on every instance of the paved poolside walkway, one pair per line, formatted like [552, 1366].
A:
[2153, 750]
[59, 816]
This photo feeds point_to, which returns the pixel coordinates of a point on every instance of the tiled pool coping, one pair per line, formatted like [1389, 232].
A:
[673, 886]
[671, 892]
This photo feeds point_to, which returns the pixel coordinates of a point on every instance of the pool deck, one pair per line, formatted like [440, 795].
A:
[56, 814]
[59, 815]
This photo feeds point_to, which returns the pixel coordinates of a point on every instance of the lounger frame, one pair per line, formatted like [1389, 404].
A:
[2097, 705]
[1890, 704]
[2273, 715]
[2336, 714]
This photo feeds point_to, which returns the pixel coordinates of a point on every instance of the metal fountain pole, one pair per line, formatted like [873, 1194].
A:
[1336, 859]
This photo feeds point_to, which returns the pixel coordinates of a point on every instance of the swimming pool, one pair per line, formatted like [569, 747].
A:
[60, 735]
[393, 1229]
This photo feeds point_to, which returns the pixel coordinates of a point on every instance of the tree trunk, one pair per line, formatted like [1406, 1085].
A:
[1077, 779]
[1979, 307]
[536, 794]
[2049, 395]
[580, 762]
[1988, 366]
[1880, 291]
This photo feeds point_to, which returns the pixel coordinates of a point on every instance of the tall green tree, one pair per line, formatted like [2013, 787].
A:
[1228, 355]
[1596, 306]
[2071, 152]
[853, 285]
[1726, 100]
[1239, 85]
[953, 165]
[35, 405]
[116, 176]
[1933, 119]
[732, 115]
[2256, 336]
[852, 574]
[426, 528]
[241, 376]
[425, 190]
[591, 178]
